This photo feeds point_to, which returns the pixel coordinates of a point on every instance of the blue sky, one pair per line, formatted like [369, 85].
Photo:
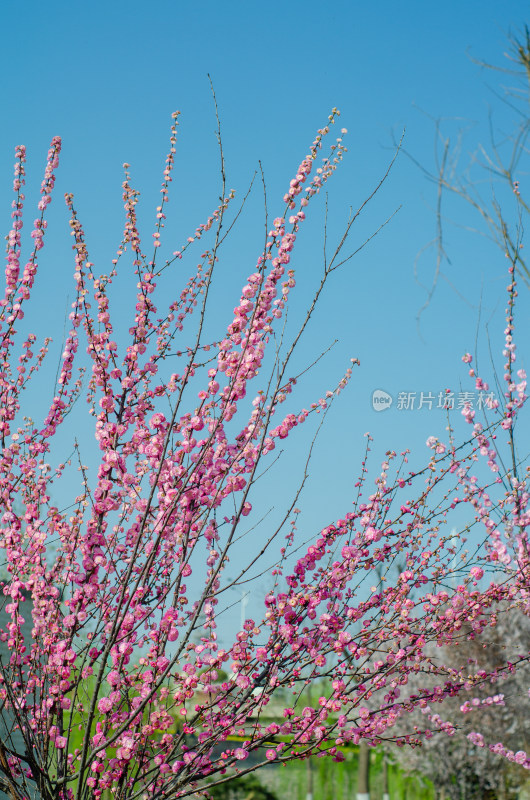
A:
[106, 77]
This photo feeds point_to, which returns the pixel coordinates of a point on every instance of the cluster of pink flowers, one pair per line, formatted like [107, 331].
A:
[520, 757]
[126, 584]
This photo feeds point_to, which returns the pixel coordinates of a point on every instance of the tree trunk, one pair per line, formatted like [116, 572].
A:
[309, 773]
[363, 774]
[386, 793]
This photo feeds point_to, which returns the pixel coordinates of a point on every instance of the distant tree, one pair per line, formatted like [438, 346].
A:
[490, 179]
[488, 716]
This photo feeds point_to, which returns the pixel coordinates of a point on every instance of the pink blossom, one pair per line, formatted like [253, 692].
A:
[104, 704]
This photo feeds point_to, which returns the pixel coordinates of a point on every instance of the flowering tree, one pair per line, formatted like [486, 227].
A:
[498, 707]
[123, 684]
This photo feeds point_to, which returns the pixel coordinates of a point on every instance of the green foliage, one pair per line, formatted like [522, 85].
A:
[246, 787]
[338, 781]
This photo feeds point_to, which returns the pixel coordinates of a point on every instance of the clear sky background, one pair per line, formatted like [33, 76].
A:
[106, 77]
